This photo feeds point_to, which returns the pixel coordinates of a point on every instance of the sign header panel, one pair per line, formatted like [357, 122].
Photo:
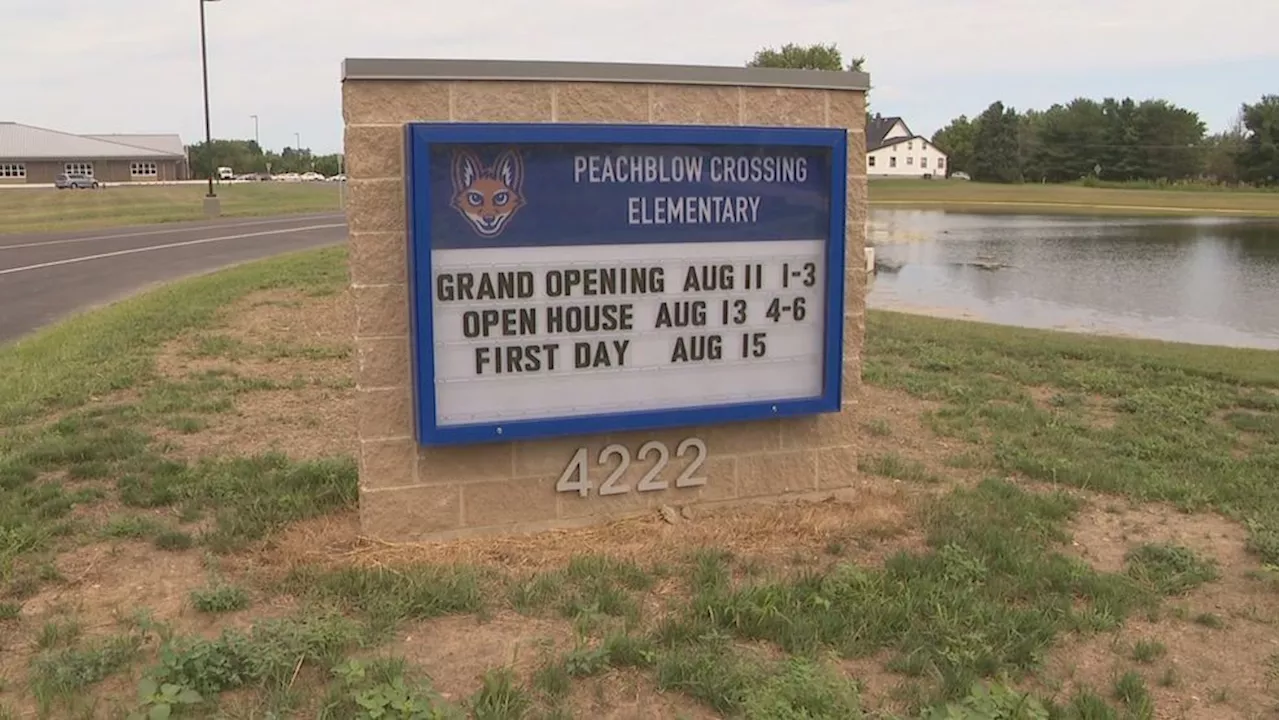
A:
[572, 279]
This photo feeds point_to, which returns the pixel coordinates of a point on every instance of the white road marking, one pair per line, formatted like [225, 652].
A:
[64, 241]
[166, 246]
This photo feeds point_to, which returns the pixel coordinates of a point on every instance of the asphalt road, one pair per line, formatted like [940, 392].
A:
[48, 276]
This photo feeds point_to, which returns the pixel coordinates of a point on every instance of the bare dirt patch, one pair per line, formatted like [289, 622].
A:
[630, 695]
[455, 651]
[1204, 672]
[297, 343]
[1099, 410]
[894, 423]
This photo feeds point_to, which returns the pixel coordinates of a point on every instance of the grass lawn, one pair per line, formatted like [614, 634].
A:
[48, 210]
[992, 197]
[1050, 526]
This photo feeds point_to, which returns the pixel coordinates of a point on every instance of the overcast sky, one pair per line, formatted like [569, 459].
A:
[134, 65]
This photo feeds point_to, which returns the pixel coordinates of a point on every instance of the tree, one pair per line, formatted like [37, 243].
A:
[245, 156]
[1168, 138]
[1257, 160]
[956, 140]
[995, 146]
[799, 57]
[1221, 151]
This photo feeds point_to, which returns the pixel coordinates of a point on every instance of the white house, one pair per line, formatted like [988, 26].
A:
[894, 151]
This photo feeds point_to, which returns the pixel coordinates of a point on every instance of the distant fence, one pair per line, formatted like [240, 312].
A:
[154, 183]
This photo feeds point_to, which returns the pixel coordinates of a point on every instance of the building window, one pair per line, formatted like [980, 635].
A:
[871, 161]
[942, 162]
[893, 162]
[13, 170]
[910, 145]
[910, 160]
[79, 168]
[142, 169]
[924, 162]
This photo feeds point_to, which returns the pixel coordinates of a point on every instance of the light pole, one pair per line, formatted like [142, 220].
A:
[211, 200]
[255, 131]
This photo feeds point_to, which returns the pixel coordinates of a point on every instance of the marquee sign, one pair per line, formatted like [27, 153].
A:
[570, 279]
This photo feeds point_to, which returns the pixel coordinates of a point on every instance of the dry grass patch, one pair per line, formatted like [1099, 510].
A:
[1209, 653]
[289, 351]
[455, 651]
[627, 694]
[863, 527]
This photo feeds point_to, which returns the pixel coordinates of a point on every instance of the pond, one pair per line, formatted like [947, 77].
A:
[1199, 280]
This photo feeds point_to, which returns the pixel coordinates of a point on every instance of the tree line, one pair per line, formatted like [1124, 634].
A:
[246, 156]
[1112, 140]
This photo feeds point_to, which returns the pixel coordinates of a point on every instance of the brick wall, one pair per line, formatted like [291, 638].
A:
[409, 492]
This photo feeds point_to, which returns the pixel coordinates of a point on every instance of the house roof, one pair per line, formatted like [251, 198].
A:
[27, 142]
[899, 140]
[878, 127]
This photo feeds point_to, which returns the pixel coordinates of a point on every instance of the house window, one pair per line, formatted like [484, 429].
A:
[893, 162]
[13, 170]
[79, 168]
[871, 161]
[910, 145]
[910, 160]
[924, 162]
[942, 162]
[142, 169]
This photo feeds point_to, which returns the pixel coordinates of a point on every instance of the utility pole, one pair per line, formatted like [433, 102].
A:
[255, 131]
[211, 205]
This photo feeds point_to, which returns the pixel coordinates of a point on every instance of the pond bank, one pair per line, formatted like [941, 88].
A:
[962, 195]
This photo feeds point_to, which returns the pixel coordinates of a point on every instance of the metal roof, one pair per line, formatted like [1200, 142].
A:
[167, 143]
[26, 142]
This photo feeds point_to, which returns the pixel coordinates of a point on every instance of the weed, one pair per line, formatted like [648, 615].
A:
[1169, 677]
[895, 466]
[552, 679]
[185, 424]
[55, 633]
[174, 541]
[388, 597]
[1169, 569]
[10, 610]
[267, 656]
[156, 701]
[131, 526]
[219, 598]
[60, 674]
[801, 690]
[991, 702]
[1147, 651]
[878, 427]
[379, 691]
[1131, 690]
[500, 698]
[1209, 620]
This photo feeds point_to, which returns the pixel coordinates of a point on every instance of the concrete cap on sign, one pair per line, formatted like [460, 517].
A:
[538, 70]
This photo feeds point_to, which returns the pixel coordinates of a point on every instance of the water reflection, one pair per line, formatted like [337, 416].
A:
[1203, 280]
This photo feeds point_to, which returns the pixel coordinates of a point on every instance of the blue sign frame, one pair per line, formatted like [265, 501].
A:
[419, 140]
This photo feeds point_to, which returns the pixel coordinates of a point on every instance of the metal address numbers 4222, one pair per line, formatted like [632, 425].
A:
[576, 477]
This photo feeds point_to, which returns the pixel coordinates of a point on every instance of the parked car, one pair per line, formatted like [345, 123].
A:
[287, 177]
[74, 181]
[338, 178]
[312, 177]
[960, 175]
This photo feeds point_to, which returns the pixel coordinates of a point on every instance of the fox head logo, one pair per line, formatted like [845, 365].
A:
[488, 196]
